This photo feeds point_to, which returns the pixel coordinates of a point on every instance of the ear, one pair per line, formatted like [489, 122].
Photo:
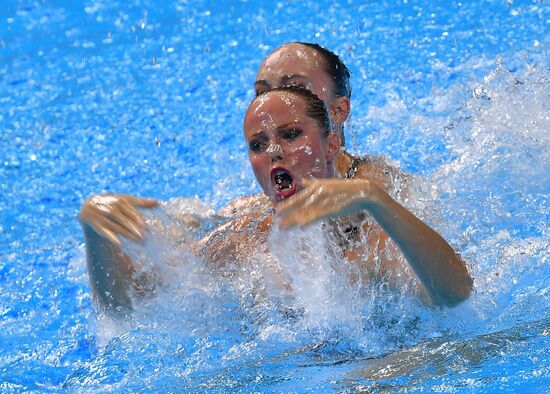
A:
[339, 110]
[333, 146]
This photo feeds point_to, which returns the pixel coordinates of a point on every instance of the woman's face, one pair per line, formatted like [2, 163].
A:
[296, 64]
[285, 145]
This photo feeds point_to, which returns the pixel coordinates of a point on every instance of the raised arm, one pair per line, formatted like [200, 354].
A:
[437, 265]
[104, 218]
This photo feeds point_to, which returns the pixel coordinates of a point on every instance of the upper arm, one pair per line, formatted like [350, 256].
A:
[381, 260]
[393, 266]
[376, 253]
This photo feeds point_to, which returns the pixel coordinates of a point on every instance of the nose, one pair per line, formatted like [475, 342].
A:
[275, 151]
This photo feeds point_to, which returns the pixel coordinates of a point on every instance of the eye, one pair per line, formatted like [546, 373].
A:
[302, 85]
[260, 91]
[291, 134]
[257, 146]
[261, 87]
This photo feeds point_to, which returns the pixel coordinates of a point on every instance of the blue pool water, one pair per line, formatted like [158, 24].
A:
[147, 97]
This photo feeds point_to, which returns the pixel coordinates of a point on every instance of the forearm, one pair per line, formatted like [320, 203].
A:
[437, 265]
[110, 272]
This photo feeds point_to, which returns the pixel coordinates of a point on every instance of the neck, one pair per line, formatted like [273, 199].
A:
[339, 130]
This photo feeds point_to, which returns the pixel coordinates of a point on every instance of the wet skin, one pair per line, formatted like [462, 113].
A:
[282, 140]
[314, 194]
[271, 130]
[320, 196]
[295, 64]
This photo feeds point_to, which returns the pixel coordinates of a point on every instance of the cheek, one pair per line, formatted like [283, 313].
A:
[310, 158]
[258, 164]
[302, 150]
[305, 152]
[255, 161]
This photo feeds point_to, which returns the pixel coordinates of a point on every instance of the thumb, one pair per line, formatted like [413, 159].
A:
[309, 181]
[142, 202]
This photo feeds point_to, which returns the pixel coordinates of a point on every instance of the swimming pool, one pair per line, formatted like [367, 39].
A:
[147, 97]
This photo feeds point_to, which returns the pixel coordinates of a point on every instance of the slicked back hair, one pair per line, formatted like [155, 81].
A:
[334, 67]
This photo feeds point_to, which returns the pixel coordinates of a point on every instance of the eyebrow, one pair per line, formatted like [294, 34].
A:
[259, 133]
[281, 127]
[286, 125]
[285, 78]
[262, 82]
[282, 82]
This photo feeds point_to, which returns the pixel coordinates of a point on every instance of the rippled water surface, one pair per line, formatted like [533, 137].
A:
[148, 98]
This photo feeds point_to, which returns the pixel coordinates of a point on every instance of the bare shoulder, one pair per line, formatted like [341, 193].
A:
[389, 177]
[237, 239]
[244, 205]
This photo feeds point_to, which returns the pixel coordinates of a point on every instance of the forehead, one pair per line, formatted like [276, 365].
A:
[274, 109]
[292, 59]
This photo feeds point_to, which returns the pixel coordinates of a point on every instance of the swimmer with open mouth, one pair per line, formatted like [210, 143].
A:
[289, 141]
[292, 149]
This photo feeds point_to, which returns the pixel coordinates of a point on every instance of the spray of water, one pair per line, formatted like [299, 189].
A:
[296, 295]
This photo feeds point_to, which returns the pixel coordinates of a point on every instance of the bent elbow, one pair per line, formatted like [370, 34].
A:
[459, 293]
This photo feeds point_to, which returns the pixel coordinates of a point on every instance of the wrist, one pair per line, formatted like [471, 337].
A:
[372, 196]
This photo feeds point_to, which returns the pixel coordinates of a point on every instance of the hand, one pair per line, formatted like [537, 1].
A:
[326, 198]
[111, 215]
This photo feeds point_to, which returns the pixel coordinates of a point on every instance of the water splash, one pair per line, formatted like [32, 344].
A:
[494, 191]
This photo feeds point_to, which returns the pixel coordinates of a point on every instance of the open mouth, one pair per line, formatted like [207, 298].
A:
[283, 182]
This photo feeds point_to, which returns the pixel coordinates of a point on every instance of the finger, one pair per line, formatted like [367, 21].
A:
[309, 181]
[132, 215]
[323, 207]
[313, 198]
[101, 215]
[106, 225]
[101, 227]
[142, 202]
[115, 220]
[294, 202]
[287, 222]
[112, 230]
[104, 211]
[123, 220]
[309, 200]
[303, 218]
[296, 219]
[110, 236]
[128, 232]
